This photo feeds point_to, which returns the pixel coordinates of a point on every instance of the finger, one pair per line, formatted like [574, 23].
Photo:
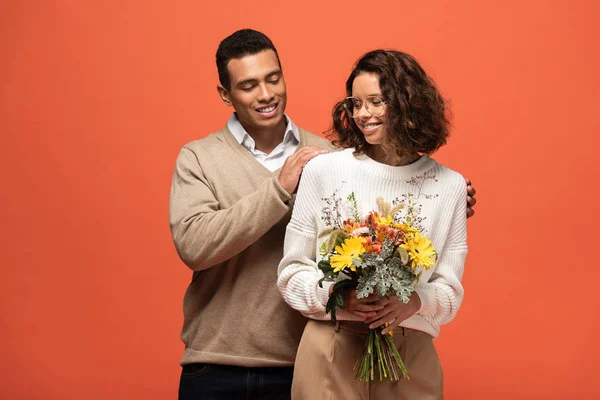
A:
[315, 148]
[307, 150]
[388, 319]
[381, 315]
[295, 163]
[371, 299]
[471, 200]
[305, 157]
[366, 307]
[391, 326]
[470, 212]
[303, 150]
[468, 181]
[312, 148]
[471, 190]
[362, 315]
[382, 301]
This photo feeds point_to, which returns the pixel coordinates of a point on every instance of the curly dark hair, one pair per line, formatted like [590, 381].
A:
[237, 45]
[417, 117]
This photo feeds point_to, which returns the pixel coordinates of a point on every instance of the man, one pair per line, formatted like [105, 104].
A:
[231, 200]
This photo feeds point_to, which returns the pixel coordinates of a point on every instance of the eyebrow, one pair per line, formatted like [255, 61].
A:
[254, 80]
[272, 73]
[370, 95]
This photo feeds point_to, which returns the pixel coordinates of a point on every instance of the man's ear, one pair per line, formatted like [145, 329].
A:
[224, 93]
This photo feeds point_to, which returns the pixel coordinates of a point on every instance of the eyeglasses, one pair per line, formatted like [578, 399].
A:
[374, 105]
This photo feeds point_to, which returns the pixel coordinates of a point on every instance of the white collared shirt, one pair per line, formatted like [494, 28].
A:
[274, 160]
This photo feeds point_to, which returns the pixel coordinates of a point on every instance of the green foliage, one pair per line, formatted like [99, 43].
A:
[354, 205]
[385, 274]
[336, 299]
[323, 250]
[328, 273]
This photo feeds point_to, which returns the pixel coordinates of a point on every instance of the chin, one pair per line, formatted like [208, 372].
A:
[373, 141]
[275, 120]
[272, 123]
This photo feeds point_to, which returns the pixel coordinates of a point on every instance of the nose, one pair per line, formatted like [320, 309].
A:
[362, 112]
[264, 95]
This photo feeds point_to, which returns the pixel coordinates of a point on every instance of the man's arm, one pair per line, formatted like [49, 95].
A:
[206, 235]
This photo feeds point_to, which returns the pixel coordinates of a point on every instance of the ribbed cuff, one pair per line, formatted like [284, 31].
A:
[283, 194]
[427, 300]
[323, 292]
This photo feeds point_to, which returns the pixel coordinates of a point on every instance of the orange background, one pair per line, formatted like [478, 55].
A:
[98, 97]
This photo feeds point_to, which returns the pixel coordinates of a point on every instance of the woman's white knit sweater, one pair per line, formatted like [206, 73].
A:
[434, 195]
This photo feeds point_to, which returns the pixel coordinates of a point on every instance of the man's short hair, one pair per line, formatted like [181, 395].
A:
[237, 45]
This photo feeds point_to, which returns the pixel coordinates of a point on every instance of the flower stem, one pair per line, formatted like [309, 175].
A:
[380, 353]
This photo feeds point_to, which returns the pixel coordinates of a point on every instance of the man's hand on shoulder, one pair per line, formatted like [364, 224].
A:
[292, 168]
[471, 201]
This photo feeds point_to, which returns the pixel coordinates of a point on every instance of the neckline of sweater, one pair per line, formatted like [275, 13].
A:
[385, 171]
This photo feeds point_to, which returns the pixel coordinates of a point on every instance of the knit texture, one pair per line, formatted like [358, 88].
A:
[228, 215]
[439, 197]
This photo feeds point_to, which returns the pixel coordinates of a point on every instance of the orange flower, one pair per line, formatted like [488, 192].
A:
[351, 227]
[372, 247]
[376, 247]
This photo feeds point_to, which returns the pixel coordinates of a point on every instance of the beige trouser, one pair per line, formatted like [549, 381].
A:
[324, 367]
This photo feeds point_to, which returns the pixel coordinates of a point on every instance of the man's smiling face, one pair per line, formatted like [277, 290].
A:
[258, 92]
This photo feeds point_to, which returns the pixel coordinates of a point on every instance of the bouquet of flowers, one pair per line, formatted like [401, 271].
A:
[375, 254]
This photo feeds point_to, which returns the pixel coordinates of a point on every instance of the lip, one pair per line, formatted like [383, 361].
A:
[270, 114]
[370, 130]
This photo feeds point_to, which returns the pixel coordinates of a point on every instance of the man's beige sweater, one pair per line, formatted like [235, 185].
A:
[228, 215]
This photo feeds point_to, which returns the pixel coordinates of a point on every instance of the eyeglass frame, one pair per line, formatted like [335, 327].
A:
[363, 104]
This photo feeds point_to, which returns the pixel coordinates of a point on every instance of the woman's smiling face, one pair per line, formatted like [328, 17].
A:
[374, 128]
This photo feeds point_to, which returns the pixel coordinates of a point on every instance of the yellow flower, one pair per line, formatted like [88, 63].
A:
[420, 250]
[386, 220]
[348, 251]
[406, 227]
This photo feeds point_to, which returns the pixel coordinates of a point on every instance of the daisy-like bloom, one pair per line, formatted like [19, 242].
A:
[348, 251]
[386, 221]
[420, 250]
[406, 227]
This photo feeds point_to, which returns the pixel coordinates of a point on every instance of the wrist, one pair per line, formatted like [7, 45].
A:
[415, 300]
[283, 192]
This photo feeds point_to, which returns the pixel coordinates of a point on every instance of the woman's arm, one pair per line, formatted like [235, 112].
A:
[298, 275]
[438, 299]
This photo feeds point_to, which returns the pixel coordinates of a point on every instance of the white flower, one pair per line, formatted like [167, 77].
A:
[361, 231]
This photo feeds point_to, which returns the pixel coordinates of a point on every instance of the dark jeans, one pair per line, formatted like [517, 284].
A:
[213, 381]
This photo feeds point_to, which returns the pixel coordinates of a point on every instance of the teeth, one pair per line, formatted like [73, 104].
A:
[371, 126]
[266, 110]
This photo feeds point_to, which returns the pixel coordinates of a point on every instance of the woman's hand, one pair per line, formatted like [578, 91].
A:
[393, 311]
[362, 308]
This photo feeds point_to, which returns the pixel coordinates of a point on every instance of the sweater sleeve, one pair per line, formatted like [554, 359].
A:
[203, 232]
[298, 275]
[442, 295]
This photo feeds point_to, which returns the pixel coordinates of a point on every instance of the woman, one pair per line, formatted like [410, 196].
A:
[392, 120]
